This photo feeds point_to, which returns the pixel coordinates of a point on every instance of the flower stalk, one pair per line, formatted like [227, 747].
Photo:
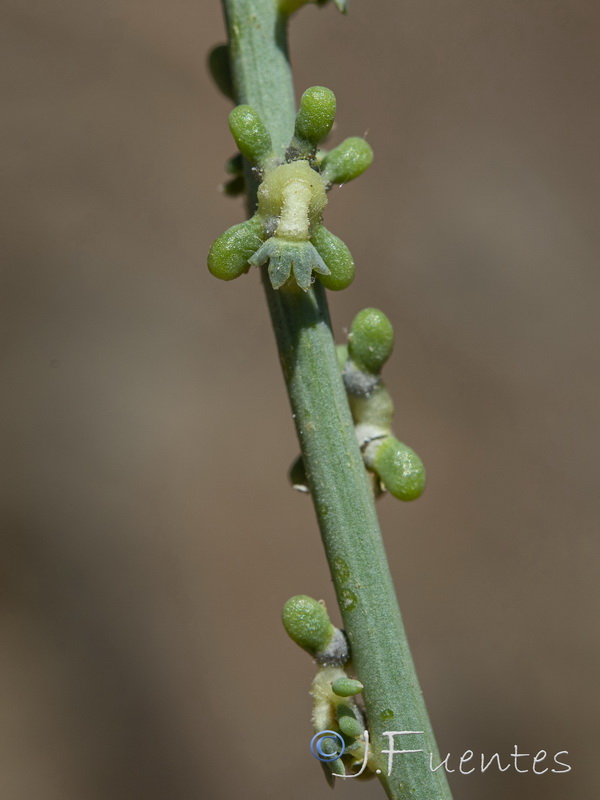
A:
[339, 484]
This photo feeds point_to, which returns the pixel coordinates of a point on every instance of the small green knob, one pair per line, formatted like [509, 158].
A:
[400, 469]
[347, 161]
[371, 340]
[316, 114]
[250, 134]
[336, 256]
[348, 723]
[307, 623]
[229, 254]
[346, 687]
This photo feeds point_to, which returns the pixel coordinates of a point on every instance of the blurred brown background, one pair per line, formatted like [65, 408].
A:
[149, 534]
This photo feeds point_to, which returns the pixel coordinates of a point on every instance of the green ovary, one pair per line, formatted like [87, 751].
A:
[293, 193]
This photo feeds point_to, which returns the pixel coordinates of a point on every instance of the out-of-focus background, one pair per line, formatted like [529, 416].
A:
[149, 533]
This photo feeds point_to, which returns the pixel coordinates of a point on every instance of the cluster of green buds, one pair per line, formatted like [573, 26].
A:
[334, 692]
[395, 467]
[287, 232]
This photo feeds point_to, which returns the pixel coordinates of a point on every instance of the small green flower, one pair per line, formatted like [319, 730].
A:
[287, 233]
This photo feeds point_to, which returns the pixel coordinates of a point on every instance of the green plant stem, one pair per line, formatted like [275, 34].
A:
[337, 477]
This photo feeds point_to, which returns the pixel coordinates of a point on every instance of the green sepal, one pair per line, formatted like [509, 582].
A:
[316, 115]
[347, 161]
[346, 687]
[306, 622]
[229, 254]
[250, 134]
[287, 257]
[336, 256]
[371, 340]
[219, 66]
[400, 469]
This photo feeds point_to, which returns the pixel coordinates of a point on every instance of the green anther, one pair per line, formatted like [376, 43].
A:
[220, 69]
[347, 161]
[316, 115]
[336, 256]
[371, 340]
[346, 687]
[307, 623]
[250, 134]
[400, 469]
[229, 254]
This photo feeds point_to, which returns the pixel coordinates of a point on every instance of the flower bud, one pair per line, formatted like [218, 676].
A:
[347, 161]
[250, 134]
[336, 256]
[400, 469]
[316, 115]
[371, 340]
[229, 254]
[348, 723]
[346, 687]
[307, 623]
